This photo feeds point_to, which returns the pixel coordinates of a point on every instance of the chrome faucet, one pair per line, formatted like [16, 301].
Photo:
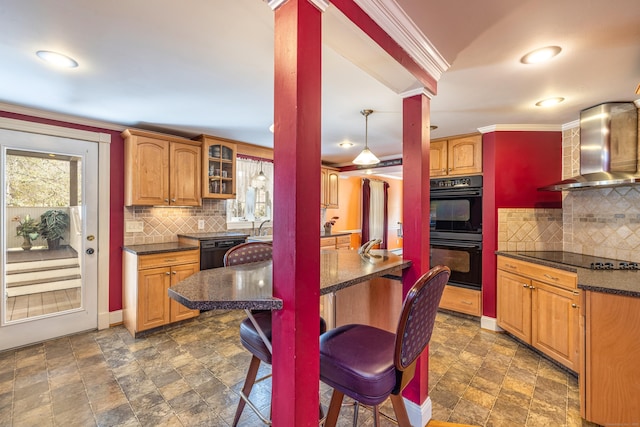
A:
[259, 233]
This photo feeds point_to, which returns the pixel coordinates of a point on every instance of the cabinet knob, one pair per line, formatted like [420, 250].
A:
[574, 305]
[167, 273]
[532, 287]
[173, 272]
[450, 169]
[524, 285]
[166, 200]
[173, 200]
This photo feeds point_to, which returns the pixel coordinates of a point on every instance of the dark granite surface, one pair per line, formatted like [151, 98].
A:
[157, 248]
[618, 282]
[217, 235]
[249, 286]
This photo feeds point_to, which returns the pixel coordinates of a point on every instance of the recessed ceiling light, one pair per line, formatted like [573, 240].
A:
[346, 144]
[549, 102]
[540, 55]
[57, 59]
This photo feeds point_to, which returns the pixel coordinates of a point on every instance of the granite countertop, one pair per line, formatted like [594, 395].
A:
[249, 286]
[157, 248]
[335, 234]
[619, 282]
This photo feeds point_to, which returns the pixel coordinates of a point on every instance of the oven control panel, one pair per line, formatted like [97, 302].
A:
[459, 182]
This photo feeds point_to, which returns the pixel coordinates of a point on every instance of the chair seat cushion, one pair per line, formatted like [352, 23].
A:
[358, 361]
[251, 340]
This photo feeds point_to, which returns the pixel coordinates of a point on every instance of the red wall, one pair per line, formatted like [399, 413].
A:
[116, 220]
[515, 164]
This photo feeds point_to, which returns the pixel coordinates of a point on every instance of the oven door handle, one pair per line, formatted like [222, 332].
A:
[456, 243]
[455, 194]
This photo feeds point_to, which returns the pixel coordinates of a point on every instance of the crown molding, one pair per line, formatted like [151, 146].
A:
[520, 128]
[34, 112]
[418, 91]
[322, 5]
[397, 24]
[571, 125]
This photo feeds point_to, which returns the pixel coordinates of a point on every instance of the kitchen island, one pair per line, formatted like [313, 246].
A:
[250, 286]
[609, 345]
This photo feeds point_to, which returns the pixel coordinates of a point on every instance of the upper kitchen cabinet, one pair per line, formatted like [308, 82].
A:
[329, 188]
[161, 170]
[218, 168]
[456, 156]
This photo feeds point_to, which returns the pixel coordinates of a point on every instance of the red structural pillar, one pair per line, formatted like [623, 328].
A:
[296, 258]
[415, 201]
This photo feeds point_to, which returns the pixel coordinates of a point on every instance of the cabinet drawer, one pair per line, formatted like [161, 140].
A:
[461, 300]
[327, 242]
[343, 242]
[561, 278]
[168, 258]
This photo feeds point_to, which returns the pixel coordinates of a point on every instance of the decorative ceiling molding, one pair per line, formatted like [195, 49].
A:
[397, 24]
[418, 91]
[322, 5]
[520, 128]
[33, 112]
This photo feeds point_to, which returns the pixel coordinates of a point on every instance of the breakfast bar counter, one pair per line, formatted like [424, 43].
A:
[249, 286]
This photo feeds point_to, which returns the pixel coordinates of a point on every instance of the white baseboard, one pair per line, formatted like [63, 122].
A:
[115, 317]
[419, 415]
[490, 323]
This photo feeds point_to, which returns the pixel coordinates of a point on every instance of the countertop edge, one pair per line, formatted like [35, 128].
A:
[158, 248]
[538, 261]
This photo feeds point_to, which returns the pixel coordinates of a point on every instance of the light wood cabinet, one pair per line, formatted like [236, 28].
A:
[147, 279]
[456, 156]
[610, 384]
[540, 306]
[218, 168]
[336, 242]
[161, 170]
[461, 300]
[329, 188]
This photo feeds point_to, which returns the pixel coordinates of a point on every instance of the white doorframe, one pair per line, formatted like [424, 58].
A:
[104, 141]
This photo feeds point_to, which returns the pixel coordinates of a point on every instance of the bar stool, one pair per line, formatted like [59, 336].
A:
[256, 340]
[370, 364]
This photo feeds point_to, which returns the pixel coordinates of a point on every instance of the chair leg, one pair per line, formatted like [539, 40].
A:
[400, 410]
[376, 416]
[248, 385]
[334, 408]
[356, 408]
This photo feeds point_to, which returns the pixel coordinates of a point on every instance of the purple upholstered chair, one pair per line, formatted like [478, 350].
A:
[370, 364]
[249, 337]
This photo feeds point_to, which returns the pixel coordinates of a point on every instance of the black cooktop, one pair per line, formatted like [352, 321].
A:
[580, 260]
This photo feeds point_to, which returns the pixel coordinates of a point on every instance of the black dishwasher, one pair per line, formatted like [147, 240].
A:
[212, 252]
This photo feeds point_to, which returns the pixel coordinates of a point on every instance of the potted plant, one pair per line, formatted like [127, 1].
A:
[53, 224]
[28, 229]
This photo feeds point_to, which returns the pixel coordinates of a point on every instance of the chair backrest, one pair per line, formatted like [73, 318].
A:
[248, 252]
[418, 316]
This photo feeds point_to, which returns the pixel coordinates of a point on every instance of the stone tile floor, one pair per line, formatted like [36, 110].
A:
[189, 375]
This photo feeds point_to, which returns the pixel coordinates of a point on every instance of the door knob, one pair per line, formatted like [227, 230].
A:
[90, 251]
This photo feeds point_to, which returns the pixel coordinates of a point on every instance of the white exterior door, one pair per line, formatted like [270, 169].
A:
[49, 274]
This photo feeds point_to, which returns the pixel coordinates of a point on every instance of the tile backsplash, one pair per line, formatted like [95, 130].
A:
[163, 224]
[522, 229]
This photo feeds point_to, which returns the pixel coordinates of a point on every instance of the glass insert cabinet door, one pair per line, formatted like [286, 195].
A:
[49, 266]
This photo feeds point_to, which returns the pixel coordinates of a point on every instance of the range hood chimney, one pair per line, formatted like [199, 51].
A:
[608, 148]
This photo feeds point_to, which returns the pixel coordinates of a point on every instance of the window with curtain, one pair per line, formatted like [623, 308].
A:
[374, 210]
[253, 200]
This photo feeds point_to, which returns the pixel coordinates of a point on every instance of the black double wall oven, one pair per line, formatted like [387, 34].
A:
[456, 228]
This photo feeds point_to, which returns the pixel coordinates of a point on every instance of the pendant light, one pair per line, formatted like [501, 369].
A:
[366, 157]
[259, 180]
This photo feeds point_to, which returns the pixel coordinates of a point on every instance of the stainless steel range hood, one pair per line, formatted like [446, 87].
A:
[608, 148]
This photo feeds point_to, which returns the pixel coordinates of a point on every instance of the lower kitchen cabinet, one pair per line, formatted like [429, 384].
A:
[610, 382]
[461, 300]
[147, 279]
[336, 242]
[540, 306]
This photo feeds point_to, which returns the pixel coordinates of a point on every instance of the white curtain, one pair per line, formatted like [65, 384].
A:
[376, 212]
[253, 201]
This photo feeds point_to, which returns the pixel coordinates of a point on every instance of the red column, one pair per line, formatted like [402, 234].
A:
[296, 257]
[415, 172]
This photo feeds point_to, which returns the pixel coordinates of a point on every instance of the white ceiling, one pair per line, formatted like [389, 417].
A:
[206, 66]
